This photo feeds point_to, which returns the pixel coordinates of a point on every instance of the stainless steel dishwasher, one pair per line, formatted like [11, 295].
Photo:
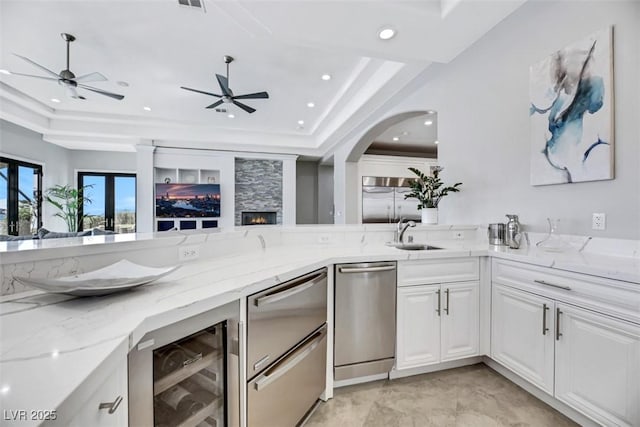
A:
[365, 319]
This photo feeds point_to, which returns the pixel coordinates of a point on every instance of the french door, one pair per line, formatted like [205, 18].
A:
[20, 197]
[111, 203]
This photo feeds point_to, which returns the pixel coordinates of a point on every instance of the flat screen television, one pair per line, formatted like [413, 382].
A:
[187, 200]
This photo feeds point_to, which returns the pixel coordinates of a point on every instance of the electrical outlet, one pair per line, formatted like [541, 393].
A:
[599, 221]
[458, 235]
[323, 238]
[188, 253]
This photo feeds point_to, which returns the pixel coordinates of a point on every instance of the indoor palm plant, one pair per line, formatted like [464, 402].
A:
[429, 190]
[68, 200]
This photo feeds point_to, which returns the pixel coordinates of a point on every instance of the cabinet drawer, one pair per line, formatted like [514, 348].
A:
[444, 270]
[613, 297]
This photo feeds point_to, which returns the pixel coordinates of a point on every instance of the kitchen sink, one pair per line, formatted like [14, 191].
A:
[414, 247]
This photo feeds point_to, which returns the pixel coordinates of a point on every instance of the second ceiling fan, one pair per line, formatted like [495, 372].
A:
[227, 96]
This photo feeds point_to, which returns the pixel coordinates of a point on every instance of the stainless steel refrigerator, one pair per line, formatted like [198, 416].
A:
[383, 200]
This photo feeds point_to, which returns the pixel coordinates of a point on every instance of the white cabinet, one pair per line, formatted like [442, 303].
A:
[598, 366]
[113, 391]
[418, 341]
[437, 323]
[574, 336]
[522, 326]
[460, 321]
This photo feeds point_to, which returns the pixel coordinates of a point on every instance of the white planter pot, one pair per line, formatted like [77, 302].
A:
[430, 215]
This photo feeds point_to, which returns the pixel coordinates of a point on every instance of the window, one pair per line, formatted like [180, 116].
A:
[20, 197]
[113, 201]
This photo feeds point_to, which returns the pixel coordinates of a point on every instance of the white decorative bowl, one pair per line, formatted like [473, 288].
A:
[121, 276]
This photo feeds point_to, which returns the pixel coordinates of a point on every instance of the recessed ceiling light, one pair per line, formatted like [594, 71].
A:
[326, 77]
[310, 104]
[56, 100]
[300, 122]
[386, 33]
[430, 112]
[7, 72]
[146, 108]
[405, 133]
[395, 138]
[5, 389]
[428, 123]
[123, 84]
[55, 354]
[436, 142]
[231, 116]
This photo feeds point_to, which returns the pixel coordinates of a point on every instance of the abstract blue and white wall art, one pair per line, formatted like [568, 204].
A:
[571, 113]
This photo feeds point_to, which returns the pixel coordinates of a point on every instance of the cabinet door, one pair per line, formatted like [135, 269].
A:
[522, 334]
[113, 390]
[598, 366]
[460, 320]
[418, 326]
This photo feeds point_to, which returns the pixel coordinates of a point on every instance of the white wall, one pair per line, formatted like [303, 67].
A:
[102, 161]
[482, 102]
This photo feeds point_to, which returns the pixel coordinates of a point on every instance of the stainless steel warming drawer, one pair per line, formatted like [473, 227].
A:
[281, 316]
[282, 394]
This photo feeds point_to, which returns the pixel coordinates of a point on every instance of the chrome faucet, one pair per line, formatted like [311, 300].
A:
[401, 229]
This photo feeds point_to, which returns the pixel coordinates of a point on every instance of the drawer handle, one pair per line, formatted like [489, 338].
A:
[439, 302]
[367, 269]
[289, 362]
[286, 293]
[111, 406]
[542, 282]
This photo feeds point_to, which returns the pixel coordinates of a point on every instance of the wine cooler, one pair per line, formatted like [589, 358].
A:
[186, 374]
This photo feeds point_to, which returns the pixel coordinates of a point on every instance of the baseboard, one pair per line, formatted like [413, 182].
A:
[535, 391]
[395, 373]
[359, 380]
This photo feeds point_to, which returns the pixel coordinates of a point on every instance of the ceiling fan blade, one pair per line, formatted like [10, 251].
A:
[257, 95]
[201, 91]
[102, 92]
[73, 93]
[91, 77]
[45, 69]
[32, 75]
[224, 84]
[215, 104]
[243, 106]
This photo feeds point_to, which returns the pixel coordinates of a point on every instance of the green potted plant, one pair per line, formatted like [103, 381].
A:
[68, 201]
[429, 190]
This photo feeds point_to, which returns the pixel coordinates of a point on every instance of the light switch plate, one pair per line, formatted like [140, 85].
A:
[188, 253]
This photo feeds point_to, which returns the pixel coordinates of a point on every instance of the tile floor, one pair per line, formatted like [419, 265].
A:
[472, 396]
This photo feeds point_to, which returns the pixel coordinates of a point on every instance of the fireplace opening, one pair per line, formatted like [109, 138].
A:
[259, 218]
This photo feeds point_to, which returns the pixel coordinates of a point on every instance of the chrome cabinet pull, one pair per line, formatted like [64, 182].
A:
[367, 269]
[558, 333]
[446, 308]
[542, 282]
[111, 406]
[439, 303]
[544, 319]
[286, 293]
[289, 362]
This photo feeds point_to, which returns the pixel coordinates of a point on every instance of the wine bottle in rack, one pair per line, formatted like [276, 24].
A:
[163, 415]
[182, 401]
[168, 361]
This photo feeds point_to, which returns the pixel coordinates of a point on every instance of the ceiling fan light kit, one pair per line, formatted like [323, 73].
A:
[227, 96]
[67, 78]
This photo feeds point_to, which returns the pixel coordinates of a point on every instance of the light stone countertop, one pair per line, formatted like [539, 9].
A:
[51, 344]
